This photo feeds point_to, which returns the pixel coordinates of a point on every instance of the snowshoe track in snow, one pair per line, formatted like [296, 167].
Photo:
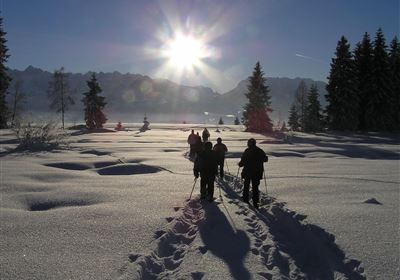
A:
[285, 245]
[171, 247]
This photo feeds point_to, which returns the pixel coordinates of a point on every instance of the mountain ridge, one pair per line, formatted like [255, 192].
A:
[137, 93]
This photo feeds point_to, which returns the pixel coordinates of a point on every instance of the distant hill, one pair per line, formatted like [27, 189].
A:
[137, 94]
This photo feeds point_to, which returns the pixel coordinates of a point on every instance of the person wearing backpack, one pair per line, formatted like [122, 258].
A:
[192, 140]
[205, 135]
[206, 166]
[220, 149]
[252, 161]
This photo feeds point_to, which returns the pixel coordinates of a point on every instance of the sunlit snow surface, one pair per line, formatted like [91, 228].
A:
[114, 206]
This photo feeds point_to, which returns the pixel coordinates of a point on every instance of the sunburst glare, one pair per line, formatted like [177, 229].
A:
[185, 51]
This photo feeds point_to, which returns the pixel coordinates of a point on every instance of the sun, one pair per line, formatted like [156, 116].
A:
[185, 51]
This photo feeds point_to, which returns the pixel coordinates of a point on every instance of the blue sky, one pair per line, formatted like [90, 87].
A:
[291, 38]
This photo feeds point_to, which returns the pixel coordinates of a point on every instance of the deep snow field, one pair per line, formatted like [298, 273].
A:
[115, 206]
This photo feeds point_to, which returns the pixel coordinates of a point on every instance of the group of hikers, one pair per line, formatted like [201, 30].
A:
[207, 159]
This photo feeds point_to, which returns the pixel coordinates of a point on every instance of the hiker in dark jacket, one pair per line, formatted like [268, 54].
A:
[192, 139]
[205, 135]
[252, 162]
[220, 149]
[206, 165]
[198, 146]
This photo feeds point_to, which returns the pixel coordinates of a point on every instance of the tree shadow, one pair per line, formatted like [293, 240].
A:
[224, 241]
[350, 145]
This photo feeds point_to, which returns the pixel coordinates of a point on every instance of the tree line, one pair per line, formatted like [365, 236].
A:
[363, 93]
[364, 85]
[363, 90]
[59, 93]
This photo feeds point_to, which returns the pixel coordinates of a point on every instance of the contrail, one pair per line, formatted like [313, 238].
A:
[309, 57]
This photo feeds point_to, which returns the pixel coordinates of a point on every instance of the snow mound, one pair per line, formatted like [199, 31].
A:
[128, 169]
[372, 201]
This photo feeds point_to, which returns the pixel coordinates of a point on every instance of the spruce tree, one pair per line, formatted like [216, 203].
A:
[220, 121]
[343, 108]
[255, 114]
[94, 104]
[4, 77]
[364, 72]
[236, 121]
[293, 118]
[301, 102]
[378, 110]
[313, 117]
[394, 64]
[60, 94]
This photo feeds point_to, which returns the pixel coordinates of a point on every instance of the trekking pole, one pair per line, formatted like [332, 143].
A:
[194, 184]
[226, 163]
[265, 182]
[220, 195]
[237, 174]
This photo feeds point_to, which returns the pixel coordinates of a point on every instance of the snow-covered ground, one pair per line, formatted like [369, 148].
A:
[114, 206]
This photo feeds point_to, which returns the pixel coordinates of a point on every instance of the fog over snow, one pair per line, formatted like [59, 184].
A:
[115, 206]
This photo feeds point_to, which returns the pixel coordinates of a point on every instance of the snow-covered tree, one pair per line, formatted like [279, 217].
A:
[293, 118]
[4, 77]
[342, 97]
[94, 104]
[255, 114]
[313, 117]
[60, 94]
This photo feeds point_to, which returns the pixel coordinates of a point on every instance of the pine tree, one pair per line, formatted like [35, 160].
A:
[313, 117]
[343, 108]
[301, 102]
[220, 121]
[4, 77]
[293, 118]
[363, 63]
[255, 114]
[378, 115]
[59, 93]
[394, 64]
[94, 104]
[236, 121]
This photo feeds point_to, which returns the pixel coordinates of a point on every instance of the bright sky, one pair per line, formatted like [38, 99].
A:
[210, 43]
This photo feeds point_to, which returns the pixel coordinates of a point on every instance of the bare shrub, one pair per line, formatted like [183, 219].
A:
[39, 136]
